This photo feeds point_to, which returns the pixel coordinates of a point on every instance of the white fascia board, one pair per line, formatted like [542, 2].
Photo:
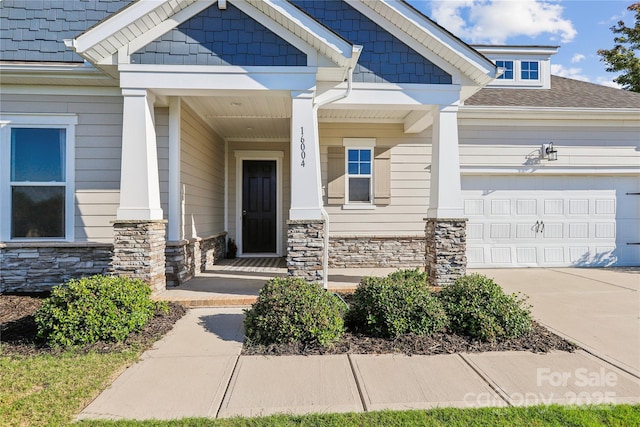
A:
[115, 23]
[485, 115]
[411, 29]
[548, 170]
[398, 94]
[507, 51]
[325, 41]
[186, 77]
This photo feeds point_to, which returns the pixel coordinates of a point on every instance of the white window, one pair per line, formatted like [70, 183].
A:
[359, 160]
[507, 70]
[37, 191]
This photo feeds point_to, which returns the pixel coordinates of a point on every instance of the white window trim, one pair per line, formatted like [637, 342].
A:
[55, 121]
[358, 143]
[513, 70]
[242, 155]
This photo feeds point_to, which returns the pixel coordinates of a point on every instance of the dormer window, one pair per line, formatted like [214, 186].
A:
[529, 70]
[507, 70]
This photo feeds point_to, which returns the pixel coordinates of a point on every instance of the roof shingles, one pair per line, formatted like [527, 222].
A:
[564, 93]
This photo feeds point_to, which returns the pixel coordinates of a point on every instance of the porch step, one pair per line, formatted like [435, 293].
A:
[228, 300]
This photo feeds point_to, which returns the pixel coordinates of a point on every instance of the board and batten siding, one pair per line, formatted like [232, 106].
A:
[519, 146]
[201, 177]
[410, 159]
[232, 176]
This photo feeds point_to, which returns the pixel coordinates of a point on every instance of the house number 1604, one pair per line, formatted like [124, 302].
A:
[302, 146]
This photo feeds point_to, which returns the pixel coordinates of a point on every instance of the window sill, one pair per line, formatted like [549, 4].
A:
[363, 207]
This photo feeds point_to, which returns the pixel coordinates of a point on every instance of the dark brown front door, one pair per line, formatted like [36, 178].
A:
[259, 206]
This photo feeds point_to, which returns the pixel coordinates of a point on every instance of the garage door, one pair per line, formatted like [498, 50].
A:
[552, 221]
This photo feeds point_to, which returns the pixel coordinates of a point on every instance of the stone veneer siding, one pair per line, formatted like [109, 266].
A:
[37, 267]
[186, 258]
[305, 243]
[376, 251]
[138, 251]
[446, 250]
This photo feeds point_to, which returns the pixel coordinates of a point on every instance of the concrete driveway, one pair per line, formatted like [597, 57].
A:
[597, 308]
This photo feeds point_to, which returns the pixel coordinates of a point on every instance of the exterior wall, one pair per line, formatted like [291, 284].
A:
[286, 181]
[162, 140]
[375, 251]
[517, 145]
[220, 37]
[186, 258]
[410, 158]
[35, 267]
[384, 57]
[201, 176]
[98, 146]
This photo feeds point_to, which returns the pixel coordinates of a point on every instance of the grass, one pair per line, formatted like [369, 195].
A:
[51, 389]
[621, 415]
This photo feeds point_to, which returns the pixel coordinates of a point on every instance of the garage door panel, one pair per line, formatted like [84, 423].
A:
[552, 221]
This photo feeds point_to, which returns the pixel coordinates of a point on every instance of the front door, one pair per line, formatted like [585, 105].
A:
[259, 206]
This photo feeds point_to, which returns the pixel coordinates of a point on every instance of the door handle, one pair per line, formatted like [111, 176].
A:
[244, 212]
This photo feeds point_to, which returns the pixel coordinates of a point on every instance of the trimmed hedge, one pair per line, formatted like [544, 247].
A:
[290, 309]
[479, 308]
[397, 304]
[96, 308]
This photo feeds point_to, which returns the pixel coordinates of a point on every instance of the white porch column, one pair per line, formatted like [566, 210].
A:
[446, 229]
[445, 200]
[139, 183]
[306, 228]
[306, 191]
[139, 230]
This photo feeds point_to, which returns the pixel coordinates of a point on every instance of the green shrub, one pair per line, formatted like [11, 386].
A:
[479, 308]
[415, 276]
[290, 309]
[96, 308]
[393, 305]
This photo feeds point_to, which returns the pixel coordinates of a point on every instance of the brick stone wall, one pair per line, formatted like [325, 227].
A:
[36, 267]
[376, 251]
[446, 250]
[138, 251]
[186, 258]
[305, 243]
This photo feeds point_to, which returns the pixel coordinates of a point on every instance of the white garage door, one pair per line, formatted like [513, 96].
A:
[552, 221]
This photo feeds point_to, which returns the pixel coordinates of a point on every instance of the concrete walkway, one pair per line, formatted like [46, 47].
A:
[197, 370]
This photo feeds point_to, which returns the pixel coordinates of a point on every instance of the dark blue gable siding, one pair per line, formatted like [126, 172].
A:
[384, 57]
[220, 37]
[34, 30]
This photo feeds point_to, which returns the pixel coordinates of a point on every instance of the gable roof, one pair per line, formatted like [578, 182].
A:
[564, 93]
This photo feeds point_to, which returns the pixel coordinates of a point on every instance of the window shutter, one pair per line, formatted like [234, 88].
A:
[382, 176]
[335, 175]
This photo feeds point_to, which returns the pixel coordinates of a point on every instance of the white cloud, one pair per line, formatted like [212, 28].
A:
[571, 72]
[494, 21]
[607, 81]
[577, 57]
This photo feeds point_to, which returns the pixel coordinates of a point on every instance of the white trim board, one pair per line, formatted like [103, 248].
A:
[240, 156]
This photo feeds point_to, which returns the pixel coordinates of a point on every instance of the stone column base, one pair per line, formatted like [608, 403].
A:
[139, 251]
[446, 247]
[305, 249]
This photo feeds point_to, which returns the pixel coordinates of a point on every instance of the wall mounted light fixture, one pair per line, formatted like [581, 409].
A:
[548, 152]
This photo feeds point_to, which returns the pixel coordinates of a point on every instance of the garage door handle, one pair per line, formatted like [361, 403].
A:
[634, 243]
[542, 224]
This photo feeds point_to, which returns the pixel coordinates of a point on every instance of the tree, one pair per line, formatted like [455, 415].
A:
[623, 55]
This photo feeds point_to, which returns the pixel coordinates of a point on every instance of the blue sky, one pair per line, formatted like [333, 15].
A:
[579, 27]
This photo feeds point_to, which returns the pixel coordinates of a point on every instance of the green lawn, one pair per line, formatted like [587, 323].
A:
[622, 415]
[51, 389]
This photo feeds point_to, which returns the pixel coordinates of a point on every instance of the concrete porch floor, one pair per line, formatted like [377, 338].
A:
[237, 282]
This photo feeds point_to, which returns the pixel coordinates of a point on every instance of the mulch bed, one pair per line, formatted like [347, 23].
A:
[540, 340]
[18, 336]
[18, 328]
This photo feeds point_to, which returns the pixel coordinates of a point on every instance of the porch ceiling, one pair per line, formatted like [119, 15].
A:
[242, 118]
